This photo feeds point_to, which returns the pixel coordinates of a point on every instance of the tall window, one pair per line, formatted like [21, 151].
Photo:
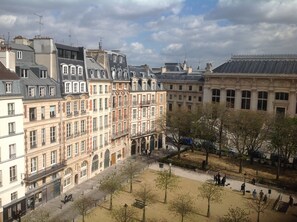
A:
[262, 100]
[133, 129]
[75, 87]
[82, 106]
[12, 151]
[43, 74]
[134, 114]
[143, 112]
[67, 87]
[83, 126]
[95, 163]
[153, 111]
[52, 91]
[41, 91]
[161, 110]
[83, 169]
[76, 149]
[68, 130]
[153, 125]
[31, 91]
[33, 142]
[53, 134]
[245, 99]
[76, 128]
[14, 195]
[82, 87]
[69, 151]
[33, 164]
[216, 93]
[10, 107]
[13, 173]
[143, 127]
[230, 99]
[24, 73]
[43, 136]
[11, 128]
[95, 124]
[43, 161]
[8, 87]
[52, 111]
[83, 146]
[32, 114]
[106, 121]
[53, 157]
[95, 146]
[68, 108]
[94, 104]
[19, 54]
[106, 103]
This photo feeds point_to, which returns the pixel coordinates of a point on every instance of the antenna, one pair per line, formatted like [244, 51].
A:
[40, 23]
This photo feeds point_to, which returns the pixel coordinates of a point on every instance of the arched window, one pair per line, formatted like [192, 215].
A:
[83, 169]
[113, 73]
[95, 163]
[79, 70]
[75, 87]
[64, 69]
[73, 70]
[67, 177]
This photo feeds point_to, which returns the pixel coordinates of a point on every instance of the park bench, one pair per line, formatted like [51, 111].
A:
[139, 204]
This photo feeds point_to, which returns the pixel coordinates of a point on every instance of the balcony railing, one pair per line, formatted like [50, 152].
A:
[11, 112]
[76, 113]
[83, 112]
[119, 134]
[29, 178]
[144, 133]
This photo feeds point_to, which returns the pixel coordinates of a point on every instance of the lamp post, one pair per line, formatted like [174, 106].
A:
[244, 183]
[170, 164]
[125, 206]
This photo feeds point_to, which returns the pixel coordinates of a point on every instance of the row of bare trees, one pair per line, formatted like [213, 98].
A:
[244, 130]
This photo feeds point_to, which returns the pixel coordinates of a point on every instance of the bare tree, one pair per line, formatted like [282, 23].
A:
[176, 125]
[166, 181]
[147, 196]
[123, 214]
[82, 205]
[131, 169]
[110, 185]
[183, 205]
[236, 215]
[212, 193]
[37, 215]
[258, 204]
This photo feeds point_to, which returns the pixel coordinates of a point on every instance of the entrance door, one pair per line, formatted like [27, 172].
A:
[152, 143]
[113, 158]
[143, 148]
[76, 179]
[106, 159]
[133, 148]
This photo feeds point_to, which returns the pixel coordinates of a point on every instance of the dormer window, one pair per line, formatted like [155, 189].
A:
[41, 91]
[92, 73]
[52, 91]
[43, 74]
[73, 70]
[120, 59]
[24, 73]
[75, 87]
[82, 87]
[144, 85]
[19, 54]
[113, 74]
[31, 91]
[79, 70]
[8, 87]
[65, 69]
[114, 58]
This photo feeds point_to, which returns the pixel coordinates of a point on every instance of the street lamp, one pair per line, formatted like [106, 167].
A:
[170, 164]
[244, 183]
[125, 206]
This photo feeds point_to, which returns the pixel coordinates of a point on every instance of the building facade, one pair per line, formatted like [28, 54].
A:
[184, 87]
[255, 82]
[12, 152]
[148, 104]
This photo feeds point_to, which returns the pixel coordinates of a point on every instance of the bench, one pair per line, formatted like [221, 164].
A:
[139, 204]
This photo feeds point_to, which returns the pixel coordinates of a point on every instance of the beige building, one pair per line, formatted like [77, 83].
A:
[183, 85]
[259, 82]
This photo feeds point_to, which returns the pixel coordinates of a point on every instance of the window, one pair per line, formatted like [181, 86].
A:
[0, 184]
[82, 126]
[245, 99]
[24, 73]
[95, 128]
[94, 105]
[11, 128]
[106, 103]
[19, 54]
[52, 91]
[8, 87]
[144, 112]
[133, 129]
[43, 161]
[153, 111]
[143, 127]
[41, 91]
[161, 98]
[69, 151]
[83, 146]
[43, 136]
[83, 169]
[52, 111]
[82, 106]
[75, 87]
[106, 89]
[43, 74]
[32, 114]
[95, 146]
[170, 107]
[76, 148]
[33, 142]
[42, 112]
[180, 87]
[68, 108]
[33, 164]
[65, 69]
[53, 157]
[76, 128]
[170, 96]
[67, 177]
[180, 97]
[106, 121]
[10, 107]
[100, 89]
[95, 163]
[190, 88]
[14, 195]
[230, 98]
[262, 100]
[134, 113]
[13, 173]
[53, 134]
[190, 98]
[67, 87]
[216, 95]
[170, 86]
[94, 89]
[12, 151]
[31, 91]
[68, 130]
[161, 110]
[79, 70]
[82, 87]
[281, 96]
[73, 70]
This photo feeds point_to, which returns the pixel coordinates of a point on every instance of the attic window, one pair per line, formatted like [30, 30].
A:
[19, 54]
[120, 59]
[8, 87]
[79, 70]
[43, 74]
[114, 58]
[24, 73]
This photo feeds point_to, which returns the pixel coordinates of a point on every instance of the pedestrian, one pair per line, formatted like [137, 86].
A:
[253, 181]
[219, 178]
[265, 198]
[224, 180]
[261, 194]
[243, 187]
[215, 178]
[291, 201]
[254, 194]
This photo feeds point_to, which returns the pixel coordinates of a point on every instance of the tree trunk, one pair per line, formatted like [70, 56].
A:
[110, 202]
[240, 165]
[83, 218]
[165, 198]
[143, 213]
[182, 218]
[220, 138]
[208, 208]
[258, 216]
[278, 164]
[131, 181]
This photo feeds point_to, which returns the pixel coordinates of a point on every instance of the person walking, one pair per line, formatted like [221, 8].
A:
[254, 194]
[261, 194]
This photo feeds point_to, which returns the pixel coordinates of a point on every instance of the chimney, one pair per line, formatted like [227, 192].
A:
[163, 69]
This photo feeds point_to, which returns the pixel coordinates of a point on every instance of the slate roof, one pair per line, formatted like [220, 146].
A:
[94, 66]
[6, 74]
[260, 64]
[121, 68]
[20, 47]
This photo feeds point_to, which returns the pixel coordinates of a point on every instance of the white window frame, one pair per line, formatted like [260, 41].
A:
[72, 70]
[52, 91]
[75, 87]
[68, 88]
[34, 164]
[12, 151]
[8, 87]
[79, 70]
[31, 91]
[19, 55]
[82, 87]
[69, 151]
[65, 69]
[53, 157]
[42, 91]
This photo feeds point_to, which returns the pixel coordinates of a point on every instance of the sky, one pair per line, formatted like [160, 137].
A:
[154, 32]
